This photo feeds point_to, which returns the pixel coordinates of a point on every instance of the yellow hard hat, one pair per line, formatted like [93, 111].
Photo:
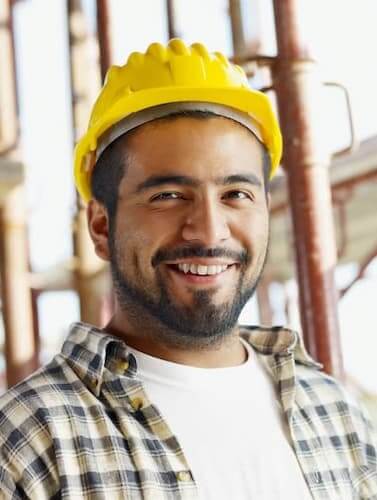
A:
[172, 74]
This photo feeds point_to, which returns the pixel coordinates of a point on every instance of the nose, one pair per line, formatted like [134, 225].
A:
[206, 223]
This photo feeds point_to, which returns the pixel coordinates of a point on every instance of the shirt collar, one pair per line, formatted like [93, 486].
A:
[278, 340]
[280, 349]
[88, 350]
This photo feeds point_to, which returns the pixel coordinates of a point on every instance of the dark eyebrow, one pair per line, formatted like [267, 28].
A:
[235, 179]
[159, 180]
[185, 180]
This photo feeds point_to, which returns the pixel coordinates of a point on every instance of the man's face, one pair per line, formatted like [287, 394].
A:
[191, 231]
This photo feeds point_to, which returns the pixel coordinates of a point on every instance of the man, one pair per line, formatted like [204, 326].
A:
[172, 399]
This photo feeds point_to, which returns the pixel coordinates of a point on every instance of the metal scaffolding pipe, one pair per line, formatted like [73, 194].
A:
[264, 302]
[20, 339]
[171, 16]
[238, 34]
[298, 90]
[336, 188]
[8, 97]
[104, 37]
[20, 343]
[85, 85]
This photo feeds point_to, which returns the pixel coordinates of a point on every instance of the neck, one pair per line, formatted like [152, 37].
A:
[150, 339]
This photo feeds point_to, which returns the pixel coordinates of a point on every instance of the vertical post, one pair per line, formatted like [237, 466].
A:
[85, 83]
[171, 14]
[8, 94]
[104, 37]
[264, 303]
[238, 34]
[102, 305]
[20, 343]
[20, 346]
[298, 90]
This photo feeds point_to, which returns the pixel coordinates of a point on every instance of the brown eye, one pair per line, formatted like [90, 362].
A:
[238, 195]
[166, 196]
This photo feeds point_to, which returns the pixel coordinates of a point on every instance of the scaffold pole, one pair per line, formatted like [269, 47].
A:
[299, 88]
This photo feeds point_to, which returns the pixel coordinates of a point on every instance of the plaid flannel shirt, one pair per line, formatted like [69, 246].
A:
[82, 427]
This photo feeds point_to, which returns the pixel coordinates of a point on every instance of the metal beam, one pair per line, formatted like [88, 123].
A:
[298, 90]
[8, 96]
[171, 17]
[20, 337]
[20, 343]
[104, 36]
[338, 187]
[362, 269]
[238, 34]
[264, 302]
[85, 84]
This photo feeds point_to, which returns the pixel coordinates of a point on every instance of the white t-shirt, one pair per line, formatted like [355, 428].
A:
[230, 426]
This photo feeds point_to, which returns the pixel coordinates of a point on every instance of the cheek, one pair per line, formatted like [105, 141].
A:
[134, 232]
[157, 229]
[138, 241]
[252, 229]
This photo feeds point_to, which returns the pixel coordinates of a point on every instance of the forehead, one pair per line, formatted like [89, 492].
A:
[199, 147]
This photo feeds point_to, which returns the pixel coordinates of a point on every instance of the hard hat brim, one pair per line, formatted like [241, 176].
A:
[250, 101]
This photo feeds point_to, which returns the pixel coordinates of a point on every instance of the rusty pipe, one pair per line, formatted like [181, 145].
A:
[104, 36]
[298, 89]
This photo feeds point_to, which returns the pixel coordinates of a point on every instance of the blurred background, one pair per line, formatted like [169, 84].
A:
[314, 58]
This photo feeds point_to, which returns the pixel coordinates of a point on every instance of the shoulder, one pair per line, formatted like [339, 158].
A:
[27, 408]
[26, 440]
[327, 394]
[321, 388]
[330, 405]
[37, 417]
[40, 386]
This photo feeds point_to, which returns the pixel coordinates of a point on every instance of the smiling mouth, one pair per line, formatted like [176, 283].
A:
[197, 274]
[200, 270]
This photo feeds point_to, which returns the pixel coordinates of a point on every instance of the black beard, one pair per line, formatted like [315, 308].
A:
[199, 325]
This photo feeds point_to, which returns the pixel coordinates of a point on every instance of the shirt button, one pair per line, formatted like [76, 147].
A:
[184, 475]
[137, 404]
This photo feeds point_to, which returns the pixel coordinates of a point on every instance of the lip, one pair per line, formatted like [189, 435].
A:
[195, 279]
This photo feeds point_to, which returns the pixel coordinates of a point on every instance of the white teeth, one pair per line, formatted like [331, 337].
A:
[186, 268]
[194, 269]
[201, 270]
[212, 270]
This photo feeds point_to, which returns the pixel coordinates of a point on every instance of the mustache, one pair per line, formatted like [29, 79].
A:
[186, 252]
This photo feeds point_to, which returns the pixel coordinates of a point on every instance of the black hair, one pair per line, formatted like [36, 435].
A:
[112, 164]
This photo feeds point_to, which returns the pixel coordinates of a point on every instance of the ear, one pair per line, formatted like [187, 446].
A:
[98, 225]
